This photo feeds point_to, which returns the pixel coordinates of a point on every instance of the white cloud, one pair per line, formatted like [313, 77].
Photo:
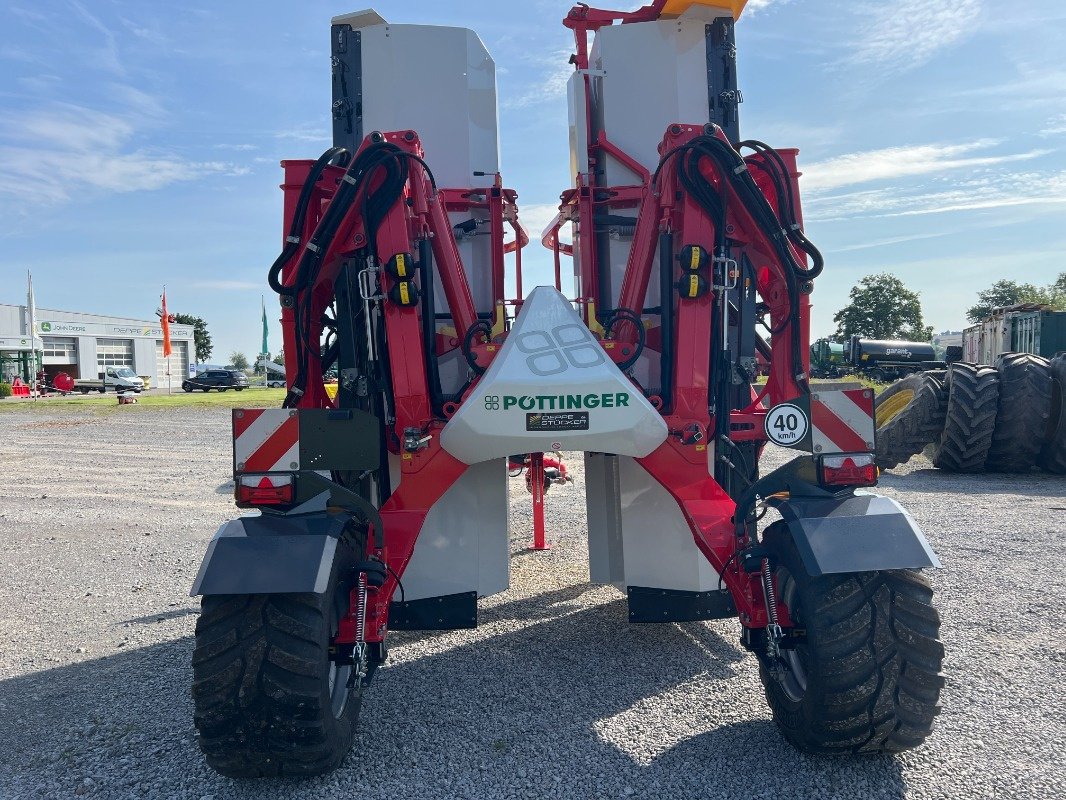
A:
[870, 245]
[544, 78]
[903, 162]
[999, 190]
[305, 133]
[52, 154]
[905, 34]
[1055, 126]
[535, 218]
[762, 5]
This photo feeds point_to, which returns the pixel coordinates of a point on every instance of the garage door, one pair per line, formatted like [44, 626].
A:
[179, 364]
[114, 353]
[60, 350]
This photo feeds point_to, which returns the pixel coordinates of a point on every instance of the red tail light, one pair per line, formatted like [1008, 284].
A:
[849, 470]
[266, 490]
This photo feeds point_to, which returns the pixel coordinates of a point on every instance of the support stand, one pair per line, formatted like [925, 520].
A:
[536, 473]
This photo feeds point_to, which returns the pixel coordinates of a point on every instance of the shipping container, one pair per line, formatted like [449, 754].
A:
[1027, 328]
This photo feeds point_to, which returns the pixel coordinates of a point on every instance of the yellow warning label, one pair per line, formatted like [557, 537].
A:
[401, 267]
[405, 293]
[694, 286]
[695, 258]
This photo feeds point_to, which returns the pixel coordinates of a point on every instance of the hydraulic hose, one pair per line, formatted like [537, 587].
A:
[429, 325]
[734, 169]
[667, 333]
[774, 166]
[336, 155]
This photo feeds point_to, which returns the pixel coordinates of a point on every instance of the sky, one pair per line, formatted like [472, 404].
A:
[140, 141]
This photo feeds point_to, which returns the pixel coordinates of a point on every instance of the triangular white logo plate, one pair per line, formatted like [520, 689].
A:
[552, 386]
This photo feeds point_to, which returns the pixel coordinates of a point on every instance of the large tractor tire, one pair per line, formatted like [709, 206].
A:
[973, 403]
[1024, 412]
[269, 701]
[909, 415]
[1053, 455]
[866, 677]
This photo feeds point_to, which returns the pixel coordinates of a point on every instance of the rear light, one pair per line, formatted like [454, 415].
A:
[266, 490]
[849, 470]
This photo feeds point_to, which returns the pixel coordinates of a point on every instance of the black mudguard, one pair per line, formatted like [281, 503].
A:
[273, 554]
[854, 533]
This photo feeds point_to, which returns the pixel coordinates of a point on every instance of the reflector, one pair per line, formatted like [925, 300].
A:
[850, 470]
[266, 490]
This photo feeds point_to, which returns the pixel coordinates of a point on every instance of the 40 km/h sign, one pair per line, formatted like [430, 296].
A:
[786, 425]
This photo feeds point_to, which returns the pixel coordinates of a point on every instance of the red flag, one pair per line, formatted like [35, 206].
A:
[166, 328]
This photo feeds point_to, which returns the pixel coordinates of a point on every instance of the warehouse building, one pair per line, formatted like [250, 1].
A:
[82, 345]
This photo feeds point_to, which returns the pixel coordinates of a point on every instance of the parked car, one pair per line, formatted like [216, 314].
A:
[221, 379]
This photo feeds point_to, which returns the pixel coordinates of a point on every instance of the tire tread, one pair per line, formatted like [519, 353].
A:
[875, 689]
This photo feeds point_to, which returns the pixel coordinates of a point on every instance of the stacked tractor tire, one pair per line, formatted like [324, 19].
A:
[1010, 417]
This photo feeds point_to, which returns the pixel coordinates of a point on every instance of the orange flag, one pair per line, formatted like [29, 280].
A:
[166, 328]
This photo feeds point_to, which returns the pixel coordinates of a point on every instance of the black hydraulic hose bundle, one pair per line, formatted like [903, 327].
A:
[734, 169]
[336, 155]
[666, 327]
[429, 325]
[774, 166]
[362, 166]
[376, 205]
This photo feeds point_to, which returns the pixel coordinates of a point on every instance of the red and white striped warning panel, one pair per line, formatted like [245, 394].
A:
[266, 440]
[842, 422]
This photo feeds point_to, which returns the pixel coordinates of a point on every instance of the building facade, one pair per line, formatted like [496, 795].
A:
[82, 345]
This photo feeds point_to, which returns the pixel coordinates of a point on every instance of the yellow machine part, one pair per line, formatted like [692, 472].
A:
[678, 7]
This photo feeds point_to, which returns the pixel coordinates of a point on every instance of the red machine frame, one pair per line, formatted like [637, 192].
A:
[681, 463]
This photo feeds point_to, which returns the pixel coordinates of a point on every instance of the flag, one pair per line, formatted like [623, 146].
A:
[31, 310]
[265, 350]
[167, 350]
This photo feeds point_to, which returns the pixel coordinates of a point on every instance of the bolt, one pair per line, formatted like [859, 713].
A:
[240, 465]
[870, 445]
[294, 465]
[817, 448]
[239, 414]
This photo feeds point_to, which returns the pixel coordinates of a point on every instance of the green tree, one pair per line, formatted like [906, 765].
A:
[882, 307]
[1057, 293]
[1007, 293]
[238, 360]
[279, 359]
[201, 338]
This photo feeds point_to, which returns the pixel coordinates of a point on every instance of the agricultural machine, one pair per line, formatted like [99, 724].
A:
[386, 508]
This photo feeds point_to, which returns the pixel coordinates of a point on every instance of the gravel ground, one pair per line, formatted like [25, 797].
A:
[105, 516]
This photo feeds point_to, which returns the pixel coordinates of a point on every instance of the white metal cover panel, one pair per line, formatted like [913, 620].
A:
[463, 545]
[552, 387]
[639, 97]
[635, 99]
[440, 82]
[638, 535]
